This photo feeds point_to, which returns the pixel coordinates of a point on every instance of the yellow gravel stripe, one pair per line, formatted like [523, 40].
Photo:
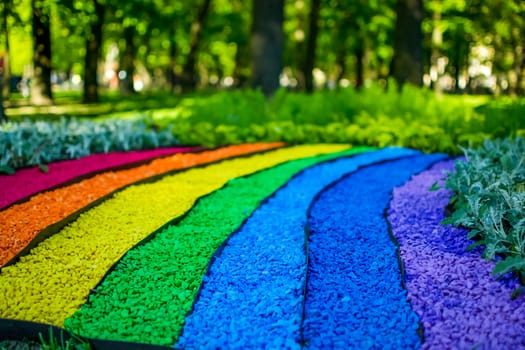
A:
[54, 280]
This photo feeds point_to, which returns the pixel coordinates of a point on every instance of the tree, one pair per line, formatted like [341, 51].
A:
[5, 75]
[133, 18]
[92, 56]
[7, 11]
[3, 82]
[127, 62]
[311, 46]
[41, 81]
[356, 39]
[407, 64]
[242, 42]
[267, 44]
[189, 72]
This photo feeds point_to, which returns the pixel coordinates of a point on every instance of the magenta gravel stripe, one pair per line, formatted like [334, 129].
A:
[29, 181]
[460, 304]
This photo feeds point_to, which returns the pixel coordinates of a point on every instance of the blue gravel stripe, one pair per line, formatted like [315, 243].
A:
[354, 294]
[252, 296]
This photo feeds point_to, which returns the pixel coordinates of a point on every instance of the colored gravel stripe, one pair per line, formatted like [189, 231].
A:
[29, 181]
[153, 287]
[460, 304]
[354, 290]
[54, 280]
[20, 223]
[252, 296]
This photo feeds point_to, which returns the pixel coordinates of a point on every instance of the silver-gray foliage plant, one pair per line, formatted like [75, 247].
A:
[30, 143]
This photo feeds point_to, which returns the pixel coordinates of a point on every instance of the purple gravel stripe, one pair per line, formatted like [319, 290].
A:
[29, 181]
[460, 304]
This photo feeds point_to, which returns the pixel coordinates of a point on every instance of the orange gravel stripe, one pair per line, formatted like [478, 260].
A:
[20, 223]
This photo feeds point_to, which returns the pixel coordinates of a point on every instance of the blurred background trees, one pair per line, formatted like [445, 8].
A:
[457, 46]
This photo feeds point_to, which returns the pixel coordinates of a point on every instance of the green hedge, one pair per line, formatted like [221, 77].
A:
[413, 118]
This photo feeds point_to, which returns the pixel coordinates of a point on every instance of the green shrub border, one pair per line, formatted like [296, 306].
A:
[489, 200]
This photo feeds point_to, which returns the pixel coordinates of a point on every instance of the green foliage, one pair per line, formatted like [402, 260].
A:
[51, 341]
[54, 343]
[414, 118]
[503, 115]
[36, 143]
[489, 200]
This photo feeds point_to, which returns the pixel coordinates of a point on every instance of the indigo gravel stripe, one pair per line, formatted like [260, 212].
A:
[460, 304]
[354, 294]
[20, 223]
[54, 279]
[29, 181]
[153, 287]
[252, 296]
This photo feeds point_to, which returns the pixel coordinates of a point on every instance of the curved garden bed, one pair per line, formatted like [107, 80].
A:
[303, 247]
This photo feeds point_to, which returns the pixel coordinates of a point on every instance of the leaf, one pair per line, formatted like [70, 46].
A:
[511, 263]
[473, 233]
[506, 162]
[516, 292]
[44, 168]
[490, 251]
[475, 245]
[7, 169]
[435, 187]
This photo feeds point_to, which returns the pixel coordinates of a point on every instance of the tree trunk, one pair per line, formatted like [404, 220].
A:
[3, 117]
[6, 87]
[127, 63]
[267, 44]
[457, 64]
[407, 63]
[437, 43]
[170, 76]
[190, 71]
[298, 56]
[520, 63]
[242, 65]
[517, 52]
[342, 45]
[311, 46]
[41, 81]
[340, 61]
[93, 49]
[359, 64]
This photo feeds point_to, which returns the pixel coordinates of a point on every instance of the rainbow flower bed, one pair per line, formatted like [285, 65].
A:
[254, 246]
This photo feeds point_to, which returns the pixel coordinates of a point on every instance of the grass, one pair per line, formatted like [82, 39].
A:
[50, 341]
[68, 103]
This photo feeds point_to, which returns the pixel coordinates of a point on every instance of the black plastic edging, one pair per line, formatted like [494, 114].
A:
[57, 226]
[420, 329]
[32, 331]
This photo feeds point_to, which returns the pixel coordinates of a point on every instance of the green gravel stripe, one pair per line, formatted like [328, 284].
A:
[151, 290]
